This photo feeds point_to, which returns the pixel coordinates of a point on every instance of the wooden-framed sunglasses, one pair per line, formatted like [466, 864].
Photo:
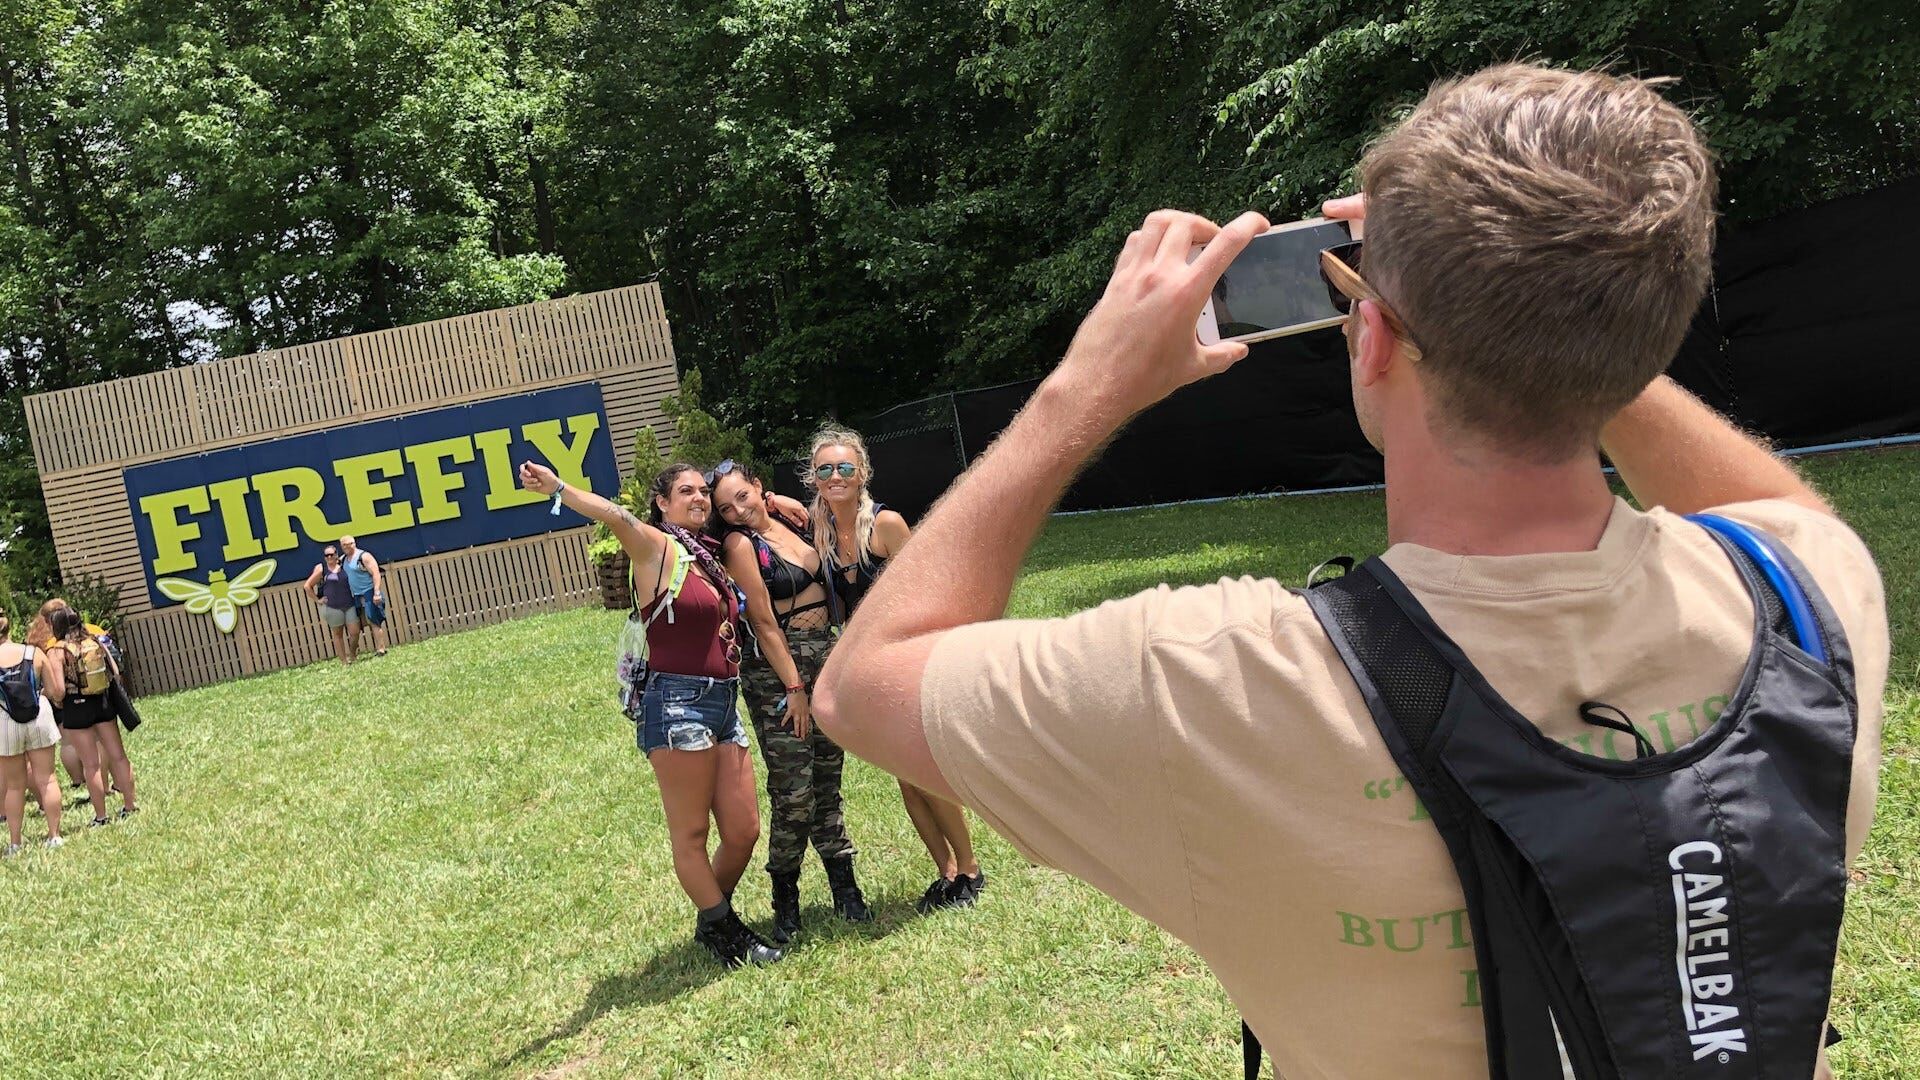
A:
[1340, 269]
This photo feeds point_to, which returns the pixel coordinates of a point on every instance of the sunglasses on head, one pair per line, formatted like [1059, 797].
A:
[846, 469]
[1340, 270]
[714, 474]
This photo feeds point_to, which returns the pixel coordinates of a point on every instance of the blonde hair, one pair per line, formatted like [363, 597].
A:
[824, 540]
[1547, 235]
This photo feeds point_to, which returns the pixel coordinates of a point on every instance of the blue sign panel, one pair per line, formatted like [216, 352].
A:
[403, 487]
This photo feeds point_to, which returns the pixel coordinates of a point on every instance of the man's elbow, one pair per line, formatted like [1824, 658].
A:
[827, 701]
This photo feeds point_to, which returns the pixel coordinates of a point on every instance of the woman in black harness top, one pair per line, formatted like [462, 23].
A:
[855, 537]
[767, 552]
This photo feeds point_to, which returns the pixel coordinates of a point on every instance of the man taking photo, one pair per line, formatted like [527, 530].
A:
[1536, 244]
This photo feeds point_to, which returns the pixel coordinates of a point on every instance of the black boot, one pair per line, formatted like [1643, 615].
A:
[847, 901]
[732, 943]
[786, 905]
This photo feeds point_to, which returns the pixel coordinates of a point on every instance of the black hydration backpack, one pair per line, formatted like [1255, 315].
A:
[1676, 915]
[20, 688]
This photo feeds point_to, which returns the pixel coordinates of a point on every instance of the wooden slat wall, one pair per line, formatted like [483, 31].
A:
[83, 439]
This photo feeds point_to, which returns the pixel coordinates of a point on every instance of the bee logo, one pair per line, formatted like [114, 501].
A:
[222, 597]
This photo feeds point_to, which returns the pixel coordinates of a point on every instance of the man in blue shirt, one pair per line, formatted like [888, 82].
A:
[369, 595]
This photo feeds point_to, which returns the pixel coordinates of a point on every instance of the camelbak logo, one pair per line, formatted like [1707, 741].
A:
[1706, 978]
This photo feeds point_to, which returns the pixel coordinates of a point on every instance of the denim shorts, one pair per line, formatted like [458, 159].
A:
[371, 611]
[690, 712]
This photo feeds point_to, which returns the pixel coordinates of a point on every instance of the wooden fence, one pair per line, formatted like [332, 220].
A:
[83, 438]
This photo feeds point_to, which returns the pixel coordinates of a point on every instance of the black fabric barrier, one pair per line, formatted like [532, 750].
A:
[1806, 338]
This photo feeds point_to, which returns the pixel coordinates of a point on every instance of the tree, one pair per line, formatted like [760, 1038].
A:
[848, 204]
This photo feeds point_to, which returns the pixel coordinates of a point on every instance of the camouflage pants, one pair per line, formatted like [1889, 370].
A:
[803, 775]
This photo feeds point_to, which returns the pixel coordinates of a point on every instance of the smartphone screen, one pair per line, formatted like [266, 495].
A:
[1274, 286]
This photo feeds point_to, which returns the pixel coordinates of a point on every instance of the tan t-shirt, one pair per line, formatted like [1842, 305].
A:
[1203, 756]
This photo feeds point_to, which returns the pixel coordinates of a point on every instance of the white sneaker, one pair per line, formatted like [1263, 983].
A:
[12, 850]
[56, 842]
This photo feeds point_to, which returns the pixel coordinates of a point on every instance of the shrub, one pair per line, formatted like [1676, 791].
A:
[95, 600]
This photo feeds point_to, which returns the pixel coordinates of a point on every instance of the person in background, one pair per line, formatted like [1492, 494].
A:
[688, 709]
[855, 537]
[84, 668]
[40, 636]
[26, 749]
[769, 555]
[333, 593]
[369, 592]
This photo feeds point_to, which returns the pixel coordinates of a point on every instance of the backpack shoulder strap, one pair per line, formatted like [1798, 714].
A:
[1406, 678]
[1406, 681]
[673, 569]
[33, 675]
[1791, 602]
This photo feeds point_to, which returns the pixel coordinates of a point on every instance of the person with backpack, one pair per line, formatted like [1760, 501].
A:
[369, 592]
[686, 694]
[767, 551]
[85, 671]
[27, 738]
[855, 537]
[333, 594]
[40, 636]
[1557, 786]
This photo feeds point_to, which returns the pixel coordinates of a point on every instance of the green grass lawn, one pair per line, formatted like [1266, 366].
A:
[452, 862]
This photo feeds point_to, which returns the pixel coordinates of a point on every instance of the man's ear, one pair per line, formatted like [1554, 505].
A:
[1374, 349]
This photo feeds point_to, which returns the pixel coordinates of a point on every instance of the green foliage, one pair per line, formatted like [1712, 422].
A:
[847, 204]
[12, 604]
[602, 545]
[97, 601]
[698, 437]
[647, 458]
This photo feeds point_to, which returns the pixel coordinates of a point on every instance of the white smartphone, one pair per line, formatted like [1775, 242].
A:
[1273, 287]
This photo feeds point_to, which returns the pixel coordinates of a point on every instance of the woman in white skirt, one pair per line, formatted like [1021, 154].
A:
[29, 742]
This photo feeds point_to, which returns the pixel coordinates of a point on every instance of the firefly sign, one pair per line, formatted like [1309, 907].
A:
[215, 528]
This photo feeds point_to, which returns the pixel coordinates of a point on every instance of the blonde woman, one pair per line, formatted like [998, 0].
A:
[26, 746]
[855, 537]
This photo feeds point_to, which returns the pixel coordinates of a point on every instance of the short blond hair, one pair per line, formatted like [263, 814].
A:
[1547, 236]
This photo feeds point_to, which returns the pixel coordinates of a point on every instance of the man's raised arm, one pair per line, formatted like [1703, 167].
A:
[1674, 451]
[1136, 347]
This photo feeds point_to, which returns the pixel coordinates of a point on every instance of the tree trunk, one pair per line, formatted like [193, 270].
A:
[17, 145]
[542, 200]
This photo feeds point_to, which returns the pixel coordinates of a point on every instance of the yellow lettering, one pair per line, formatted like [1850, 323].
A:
[364, 493]
[503, 485]
[568, 459]
[231, 497]
[171, 535]
[286, 494]
[435, 483]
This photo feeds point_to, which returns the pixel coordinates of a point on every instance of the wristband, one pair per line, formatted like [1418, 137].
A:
[798, 688]
[558, 487]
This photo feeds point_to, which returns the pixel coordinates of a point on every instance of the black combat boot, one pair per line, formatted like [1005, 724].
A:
[847, 901]
[786, 905]
[731, 942]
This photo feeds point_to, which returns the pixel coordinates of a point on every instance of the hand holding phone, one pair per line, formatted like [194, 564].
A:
[1273, 287]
